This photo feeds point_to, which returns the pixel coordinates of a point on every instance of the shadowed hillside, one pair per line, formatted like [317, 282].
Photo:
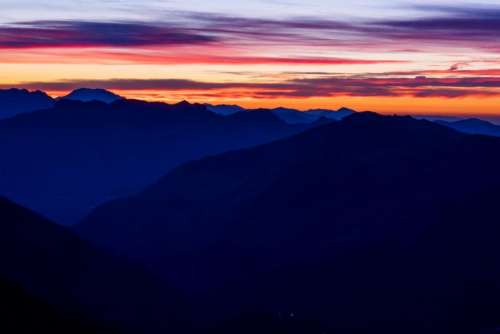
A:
[21, 312]
[372, 224]
[77, 280]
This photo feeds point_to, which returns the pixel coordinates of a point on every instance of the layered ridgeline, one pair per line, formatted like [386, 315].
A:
[290, 116]
[64, 161]
[369, 225]
[66, 156]
[66, 285]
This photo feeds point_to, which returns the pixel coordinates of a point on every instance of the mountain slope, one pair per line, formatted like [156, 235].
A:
[21, 312]
[64, 161]
[372, 224]
[17, 101]
[54, 265]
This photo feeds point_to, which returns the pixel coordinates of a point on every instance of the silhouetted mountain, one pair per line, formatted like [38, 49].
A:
[369, 225]
[15, 101]
[74, 278]
[293, 116]
[474, 126]
[224, 109]
[290, 116]
[89, 95]
[65, 161]
[332, 114]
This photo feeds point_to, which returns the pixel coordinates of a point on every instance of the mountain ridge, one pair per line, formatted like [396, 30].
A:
[277, 227]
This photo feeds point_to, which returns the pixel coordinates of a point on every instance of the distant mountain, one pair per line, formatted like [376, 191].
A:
[332, 114]
[368, 225]
[293, 116]
[224, 109]
[89, 95]
[16, 101]
[290, 116]
[64, 161]
[76, 280]
[474, 126]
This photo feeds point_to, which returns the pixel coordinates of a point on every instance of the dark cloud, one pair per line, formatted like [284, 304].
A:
[302, 88]
[96, 34]
[442, 26]
[453, 93]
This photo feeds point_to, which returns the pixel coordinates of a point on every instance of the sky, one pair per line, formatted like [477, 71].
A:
[399, 56]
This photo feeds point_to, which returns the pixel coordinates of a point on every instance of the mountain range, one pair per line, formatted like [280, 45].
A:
[64, 161]
[68, 156]
[290, 116]
[215, 219]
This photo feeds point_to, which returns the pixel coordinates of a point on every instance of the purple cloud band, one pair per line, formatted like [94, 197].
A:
[460, 26]
[96, 34]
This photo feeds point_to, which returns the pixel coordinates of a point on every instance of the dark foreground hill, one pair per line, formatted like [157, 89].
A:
[369, 225]
[64, 161]
[21, 312]
[46, 268]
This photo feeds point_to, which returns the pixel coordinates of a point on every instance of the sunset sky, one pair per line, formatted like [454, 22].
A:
[406, 56]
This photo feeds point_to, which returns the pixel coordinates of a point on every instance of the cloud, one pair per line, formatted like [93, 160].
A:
[440, 27]
[69, 34]
[299, 88]
[200, 38]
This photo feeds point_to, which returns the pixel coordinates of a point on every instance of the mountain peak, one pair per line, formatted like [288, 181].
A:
[183, 103]
[92, 94]
[345, 109]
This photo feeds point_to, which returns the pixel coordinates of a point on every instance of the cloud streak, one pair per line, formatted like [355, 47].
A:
[71, 34]
[302, 88]
[465, 27]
